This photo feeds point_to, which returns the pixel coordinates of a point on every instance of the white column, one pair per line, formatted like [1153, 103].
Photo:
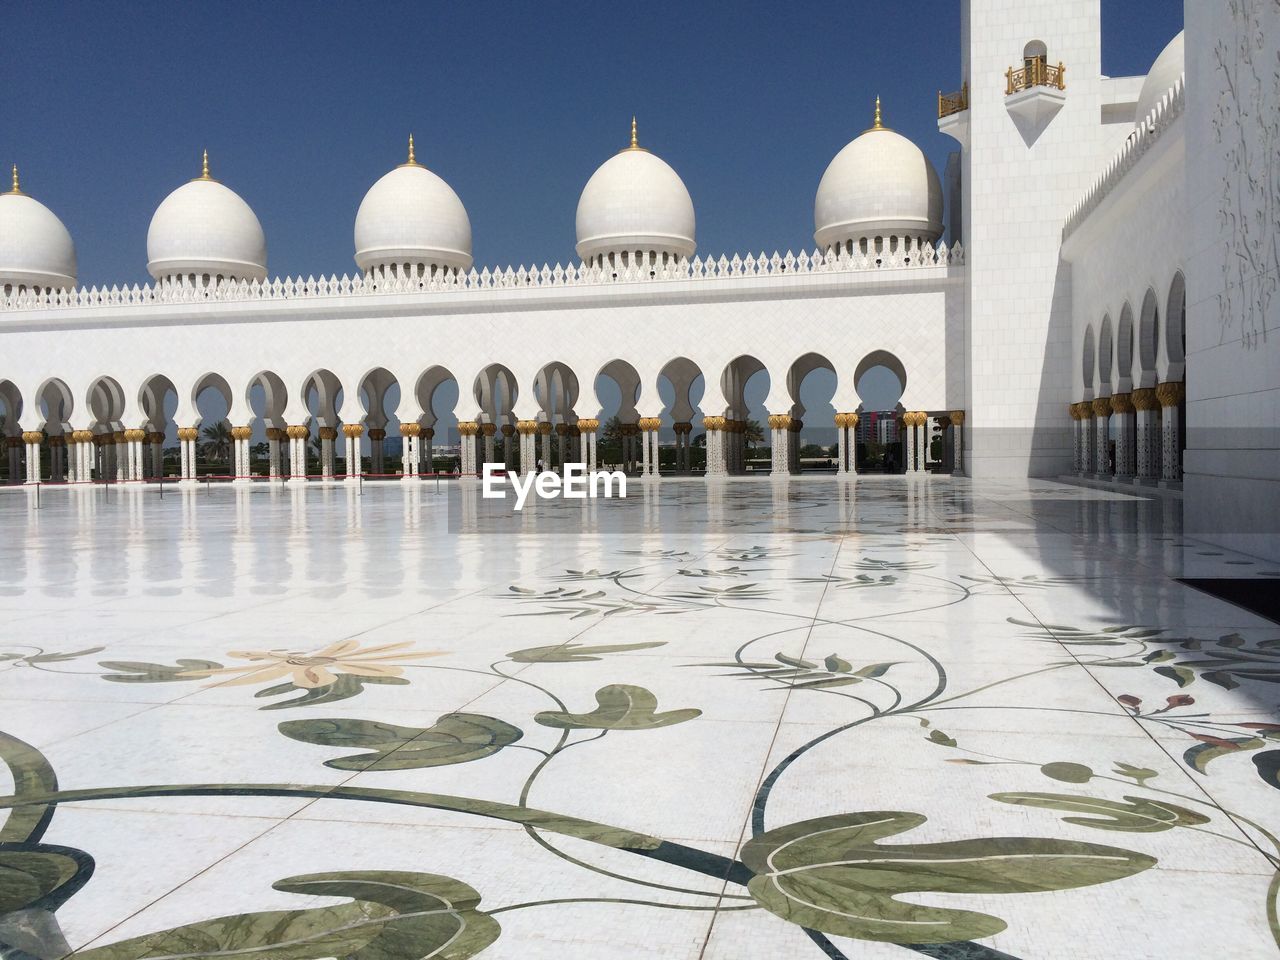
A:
[273, 452]
[32, 440]
[351, 433]
[644, 447]
[297, 436]
[1170, 395]
[407, 441]
[779, 434]
[957, 438]
[1102, 436]
[187, 446]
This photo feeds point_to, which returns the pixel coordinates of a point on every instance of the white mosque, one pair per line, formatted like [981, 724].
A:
[1104, 303]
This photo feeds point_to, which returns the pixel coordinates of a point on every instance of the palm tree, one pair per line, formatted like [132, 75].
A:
[612, 432]
[215, 442]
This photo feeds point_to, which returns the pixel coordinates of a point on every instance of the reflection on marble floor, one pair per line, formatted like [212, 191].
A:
[951, 719]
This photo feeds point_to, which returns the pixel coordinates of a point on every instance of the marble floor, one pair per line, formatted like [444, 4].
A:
[944, 718]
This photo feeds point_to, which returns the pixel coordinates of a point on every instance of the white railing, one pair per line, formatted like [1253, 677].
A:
[512, 278]
[1148, 131]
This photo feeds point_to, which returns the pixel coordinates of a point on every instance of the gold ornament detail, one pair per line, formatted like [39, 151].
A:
[1171, 393]
[1145, 399]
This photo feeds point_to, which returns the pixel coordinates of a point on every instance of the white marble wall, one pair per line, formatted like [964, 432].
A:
[1232, 476]
[1019, 191]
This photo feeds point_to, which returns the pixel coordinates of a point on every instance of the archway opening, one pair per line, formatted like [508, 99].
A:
[811, 383]
[682, 443]
[437, 393]
[880, 380]
[212, 399]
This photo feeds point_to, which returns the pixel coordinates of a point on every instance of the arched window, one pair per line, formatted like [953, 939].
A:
[1035, 57]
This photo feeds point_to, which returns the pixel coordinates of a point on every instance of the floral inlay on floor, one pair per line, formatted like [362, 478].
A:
[964, 721]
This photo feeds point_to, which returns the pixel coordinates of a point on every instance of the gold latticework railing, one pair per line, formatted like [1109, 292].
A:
[1036, 73]
[949, 103]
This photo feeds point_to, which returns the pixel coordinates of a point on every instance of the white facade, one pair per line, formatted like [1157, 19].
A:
[1096, 219]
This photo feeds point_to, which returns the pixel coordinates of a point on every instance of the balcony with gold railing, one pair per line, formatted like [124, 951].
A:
[950, 104]
[1035, 73]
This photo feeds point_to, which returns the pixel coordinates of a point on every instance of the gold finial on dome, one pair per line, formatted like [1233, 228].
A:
[635, 139]
[877, 122]
[204, 167]
[16, 189]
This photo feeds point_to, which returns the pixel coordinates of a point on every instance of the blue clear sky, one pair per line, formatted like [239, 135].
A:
[303, 105]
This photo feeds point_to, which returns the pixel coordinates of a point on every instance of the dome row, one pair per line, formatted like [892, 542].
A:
[879, 189]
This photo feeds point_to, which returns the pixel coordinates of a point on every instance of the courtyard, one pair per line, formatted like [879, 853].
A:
[950, 718]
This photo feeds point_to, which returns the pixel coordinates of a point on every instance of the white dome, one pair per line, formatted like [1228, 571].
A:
[411, 216]
[204, 228]
[635, 202]
[880, 185]
[35, 248]
[1165, 72]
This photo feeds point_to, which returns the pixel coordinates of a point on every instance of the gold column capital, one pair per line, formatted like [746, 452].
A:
[1145, 399]
[1171, 393]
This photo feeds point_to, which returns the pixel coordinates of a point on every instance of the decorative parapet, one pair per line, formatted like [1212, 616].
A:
[953, 103]
[1160, 119]
[522, 278]
[1036, 73]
